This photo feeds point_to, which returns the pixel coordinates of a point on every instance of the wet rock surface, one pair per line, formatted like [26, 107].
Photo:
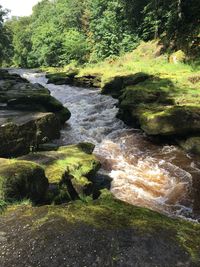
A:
[29, 115]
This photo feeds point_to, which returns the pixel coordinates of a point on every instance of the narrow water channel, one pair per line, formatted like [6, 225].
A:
[143, 173]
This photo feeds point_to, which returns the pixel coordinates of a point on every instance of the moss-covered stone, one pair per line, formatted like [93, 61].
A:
[44, 103]
[29, 115]
[192, 144]
[20, 95]
[76, 161]
[4, 75]
[21, 132]
[72, 78]
[117, 232]
[172, 120]
[59, 78]
[22, 180]
[114, 85]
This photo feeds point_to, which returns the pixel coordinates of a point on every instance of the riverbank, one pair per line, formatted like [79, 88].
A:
[158, 93]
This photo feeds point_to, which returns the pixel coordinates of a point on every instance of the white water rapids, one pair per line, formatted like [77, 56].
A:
[143, 173]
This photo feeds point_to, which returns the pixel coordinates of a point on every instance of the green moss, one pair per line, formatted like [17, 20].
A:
[109, 213]
[22, 180]
[170, 120]
[114, 85]
[76, 161]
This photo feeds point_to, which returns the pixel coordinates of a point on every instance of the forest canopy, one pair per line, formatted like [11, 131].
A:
[61, 31]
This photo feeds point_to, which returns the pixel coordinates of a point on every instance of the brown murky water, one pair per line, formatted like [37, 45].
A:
[143, 173]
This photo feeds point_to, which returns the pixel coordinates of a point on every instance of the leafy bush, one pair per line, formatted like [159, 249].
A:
[74, 47]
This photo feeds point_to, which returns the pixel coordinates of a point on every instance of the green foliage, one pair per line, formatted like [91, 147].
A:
[46, 46]
[74, 47]
[21, 41]
[60, 31]
[5, 38]
[110, 29]
[3, 206]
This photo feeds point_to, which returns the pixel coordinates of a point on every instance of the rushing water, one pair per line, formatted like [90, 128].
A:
[143, 173]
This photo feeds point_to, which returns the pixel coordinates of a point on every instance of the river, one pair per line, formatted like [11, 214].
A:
[143, 172]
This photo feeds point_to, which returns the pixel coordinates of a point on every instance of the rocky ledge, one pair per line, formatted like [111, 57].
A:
[58, 176]
[29, 115]
[105, 232]
[73, 77]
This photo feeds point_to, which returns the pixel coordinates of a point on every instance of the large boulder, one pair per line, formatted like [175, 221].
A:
[72, 78]
[149, 95]
[21, 132]
[20, 95]
[172, 120]
[191, 144]
[22, 180]
[29, 115]
[114, 85]
[106, 232]
[68, 168]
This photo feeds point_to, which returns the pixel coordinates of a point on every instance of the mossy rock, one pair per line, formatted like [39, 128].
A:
[76, 161]
[72, 78]
[22, 180]
[172, 120]
[114, 85]
[87, 80]
[44, 103]
[106, 229]
[134, 96]
[152, 94]
[5, 75]
[191, 144]
[31, 97]
[22, 131]
[59, 78]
